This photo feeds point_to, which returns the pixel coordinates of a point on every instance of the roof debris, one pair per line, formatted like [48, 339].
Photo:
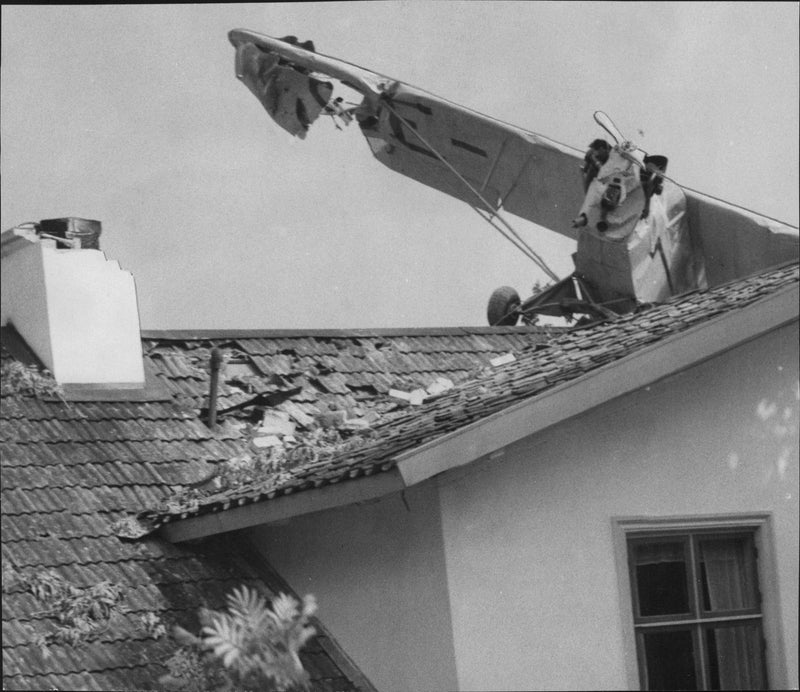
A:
[414, 398]
[276, 423]
[334, 392]
[440, 385]
[437, 383]
[419, 395]
[502, 360]
[267, 441]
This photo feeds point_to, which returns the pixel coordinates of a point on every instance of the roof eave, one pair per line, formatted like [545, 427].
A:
[284, 507]
[666, 357]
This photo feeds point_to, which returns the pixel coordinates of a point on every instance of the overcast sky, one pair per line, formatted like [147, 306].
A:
[133, 115]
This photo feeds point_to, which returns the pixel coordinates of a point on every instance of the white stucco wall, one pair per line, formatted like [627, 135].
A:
[534, 590]
[94, 319]
[503, 574]
[377, 571]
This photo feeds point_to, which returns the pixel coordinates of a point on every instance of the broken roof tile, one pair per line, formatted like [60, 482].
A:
[278, 364]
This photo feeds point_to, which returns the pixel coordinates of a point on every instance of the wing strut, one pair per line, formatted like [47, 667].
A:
[518, 243]
[508, 232]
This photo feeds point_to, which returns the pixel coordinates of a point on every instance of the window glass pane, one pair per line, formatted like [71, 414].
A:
[727, 570]
[669, 657]
[661, 578]
[735, 657]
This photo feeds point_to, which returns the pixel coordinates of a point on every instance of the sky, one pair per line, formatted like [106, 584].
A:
[132, 114]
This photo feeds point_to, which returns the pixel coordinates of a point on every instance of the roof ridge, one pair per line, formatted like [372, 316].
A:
[347, 333]
[191, 334]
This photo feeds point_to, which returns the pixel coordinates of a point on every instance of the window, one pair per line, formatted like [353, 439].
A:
[697, 609]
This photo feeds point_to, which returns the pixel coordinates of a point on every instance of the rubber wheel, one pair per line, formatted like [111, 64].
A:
[502, 308]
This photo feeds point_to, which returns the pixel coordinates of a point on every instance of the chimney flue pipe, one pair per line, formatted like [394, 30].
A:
[216, 362]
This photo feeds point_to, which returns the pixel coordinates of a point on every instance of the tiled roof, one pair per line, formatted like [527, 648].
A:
[334, 369]
[539, 365]
[343, 383]
[69, 472]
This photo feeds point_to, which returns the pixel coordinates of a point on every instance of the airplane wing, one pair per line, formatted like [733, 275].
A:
[493, 166]
[487, 163]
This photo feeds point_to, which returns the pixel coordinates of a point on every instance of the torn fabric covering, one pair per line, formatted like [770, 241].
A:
[293, 98]
[524, 173]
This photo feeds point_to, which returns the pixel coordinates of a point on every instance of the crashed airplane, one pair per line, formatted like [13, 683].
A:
[641, 238]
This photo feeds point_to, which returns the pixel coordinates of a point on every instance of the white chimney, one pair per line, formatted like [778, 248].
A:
[76, 309]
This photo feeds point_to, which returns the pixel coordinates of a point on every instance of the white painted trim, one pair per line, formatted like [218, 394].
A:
[348, 492]
[620, 548]
[761, 522]
[643, 367]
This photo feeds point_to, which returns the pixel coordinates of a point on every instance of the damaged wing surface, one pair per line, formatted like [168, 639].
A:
[484, 162]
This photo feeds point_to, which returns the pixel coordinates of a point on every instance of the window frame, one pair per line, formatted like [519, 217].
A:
[759, 525]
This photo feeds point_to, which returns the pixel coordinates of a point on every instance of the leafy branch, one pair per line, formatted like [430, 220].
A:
[81, 613]
[18, 379]
[27, 380]
[252, 645]
[270, 468]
